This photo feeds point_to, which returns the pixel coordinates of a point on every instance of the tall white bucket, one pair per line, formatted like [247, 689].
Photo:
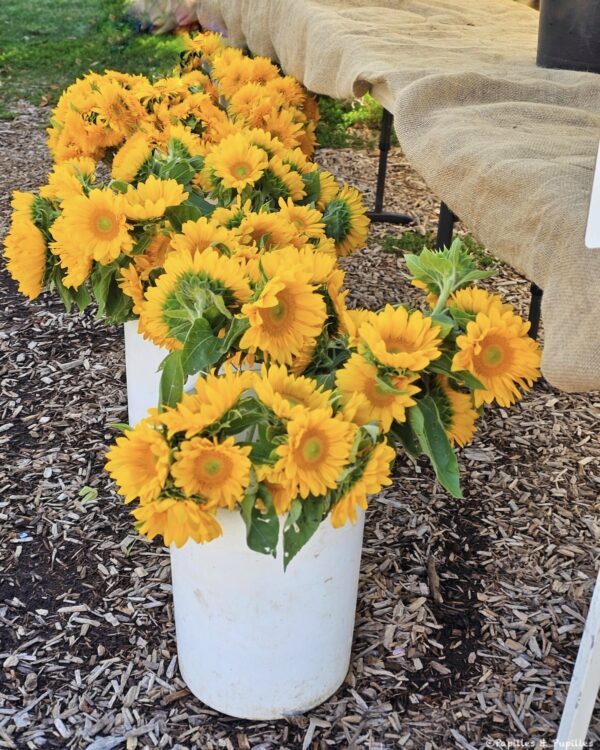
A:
[142, 359]
[255, 642]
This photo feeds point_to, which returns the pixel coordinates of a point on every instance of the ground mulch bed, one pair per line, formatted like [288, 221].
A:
[469, 612]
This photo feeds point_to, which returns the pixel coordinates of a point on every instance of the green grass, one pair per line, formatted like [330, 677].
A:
[413, 242]
[46, 44]
[346, 124]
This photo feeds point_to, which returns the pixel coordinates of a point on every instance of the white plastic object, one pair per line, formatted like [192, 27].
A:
[142, 359]
[259, 643]
[585, 683]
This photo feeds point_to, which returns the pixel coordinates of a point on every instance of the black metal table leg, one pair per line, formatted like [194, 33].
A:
[535, 307]
[445, 229]
[385, 141]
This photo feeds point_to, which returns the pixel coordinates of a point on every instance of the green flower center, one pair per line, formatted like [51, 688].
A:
[312, 449]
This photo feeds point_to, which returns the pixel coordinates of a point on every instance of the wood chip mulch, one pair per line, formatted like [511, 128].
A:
[469, 612]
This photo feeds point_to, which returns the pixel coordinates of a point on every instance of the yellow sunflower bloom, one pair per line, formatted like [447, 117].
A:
[285, 319]
[177, 289]
[236, 162]
[129, 159]
[497, 350]
[130, 284]
[317, 268]
[382, 404]
[308, 221]
[283, 393]
[25, 247]
[346, 221]
[197, 236]
[401, 339]
[184, 136]
[98, 225]
[375, 475]
[282, 493]
[176, 521]
[288, 88]
[476, 300]
[317, 451]
[286, 125]
[139, 463]
[457, 412]
[329, 188]
[291, 179]
[266, 230]
[67, 179]
[117, 109]
[150, 199]
[217, 472]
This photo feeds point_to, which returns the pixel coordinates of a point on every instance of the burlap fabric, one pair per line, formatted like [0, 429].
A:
[508, 146]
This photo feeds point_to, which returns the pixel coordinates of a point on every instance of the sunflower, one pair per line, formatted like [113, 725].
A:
[283, 493]
[176, 521]
[317, 268]
[283, 393]
[68, 178]
[154, 256]
[308, 221]
[498, 351]
[130, 284]
[456, 411]
[385, 402]
[130, 158]
[97, 223]
[181, 294]
[328, 188]
[284, 126]
[288, 88]
[117, 109]
[346, 221]
[197, 236]
[290, 180]
[266, 230]
[181, 135]
[251, 101]
[476, 300]
[139, 463]
[285, 318]
[374, 476]
[236, 162]
[25, 247]
[261, 70]
[150, 199]
[401, 339]
[351, 322]
[217, 472]
[317, 450]
[308, 138]
[214, 396]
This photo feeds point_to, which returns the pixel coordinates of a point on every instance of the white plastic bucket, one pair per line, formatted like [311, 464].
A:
[255, 642]
[142, 359]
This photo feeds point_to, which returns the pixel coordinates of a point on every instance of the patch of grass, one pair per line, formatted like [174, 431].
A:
[45, 45]
[346, 124]
[413, 242]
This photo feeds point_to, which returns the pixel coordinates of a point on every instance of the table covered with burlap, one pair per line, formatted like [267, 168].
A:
[508, 146]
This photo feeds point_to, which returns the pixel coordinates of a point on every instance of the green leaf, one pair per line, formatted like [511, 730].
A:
[202, 349]
[386, 388]
[101, 278]
[198, 201]
[463, 376]
[427, 425]
[312, 185]
[178, 215]
[403, 433]
[81, 297]
[235, 332]
[297, 534]
[118, 305]
[444, 322]
[119, 186]
[262, 527]
[63, 292]
[171, 380]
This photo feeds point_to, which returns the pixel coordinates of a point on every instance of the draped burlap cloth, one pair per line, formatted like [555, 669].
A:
[508, 146]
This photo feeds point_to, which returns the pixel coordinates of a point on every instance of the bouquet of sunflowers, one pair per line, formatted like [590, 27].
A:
[226, 132]
[220, 236]
[314, 433]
